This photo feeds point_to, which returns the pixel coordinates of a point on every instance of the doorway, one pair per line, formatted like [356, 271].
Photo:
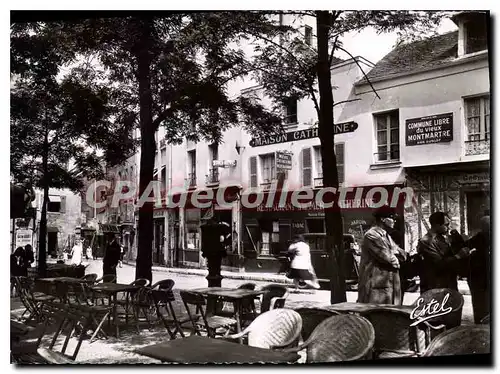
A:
[478, 203]
[158, 241]
[52, 244]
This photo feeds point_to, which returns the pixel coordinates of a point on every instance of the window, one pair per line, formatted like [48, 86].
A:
[253, 171]
[315, 225]
[476, 37]
[387, 136]
[477, 111]
[340, 154]
[306, 167]
[477, 121]
[192, 167]
[56, 204]
[290, 111]
[308, 35]
[214, 151]
[268, 168]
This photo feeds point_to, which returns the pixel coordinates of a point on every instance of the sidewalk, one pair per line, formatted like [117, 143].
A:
[264, 277]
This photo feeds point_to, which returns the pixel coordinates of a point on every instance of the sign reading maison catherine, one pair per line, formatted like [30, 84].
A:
[427, 130]
[339, 128]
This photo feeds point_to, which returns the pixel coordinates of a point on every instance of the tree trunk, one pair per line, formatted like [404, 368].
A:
[148, 147]
[42, 240]
[333, 217]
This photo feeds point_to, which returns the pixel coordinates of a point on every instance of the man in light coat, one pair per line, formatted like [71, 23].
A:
[379, 281]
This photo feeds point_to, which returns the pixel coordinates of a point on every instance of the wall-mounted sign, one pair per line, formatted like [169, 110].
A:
[224, 163]
[24, 237]
[483, 177]
[428, 130]
[339, 128]
[283, 161]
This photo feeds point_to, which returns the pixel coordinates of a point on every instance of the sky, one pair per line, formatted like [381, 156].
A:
[374, 47]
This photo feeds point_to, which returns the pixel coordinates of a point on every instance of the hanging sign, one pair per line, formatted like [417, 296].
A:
[339, 128]
[224, 163]
[428, 130]
[283, 161]
[23, 237]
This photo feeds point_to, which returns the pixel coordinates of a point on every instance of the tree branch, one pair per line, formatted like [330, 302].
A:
[345, 101]
[357, 63]
[334, 47]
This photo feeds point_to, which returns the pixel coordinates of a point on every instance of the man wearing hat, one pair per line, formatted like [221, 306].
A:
[379, 281]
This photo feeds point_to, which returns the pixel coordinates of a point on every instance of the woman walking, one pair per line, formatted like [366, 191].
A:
[301, 269]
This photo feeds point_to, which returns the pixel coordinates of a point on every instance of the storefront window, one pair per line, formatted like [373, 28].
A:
[193, 240]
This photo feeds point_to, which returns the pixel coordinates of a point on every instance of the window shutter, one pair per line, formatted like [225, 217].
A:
[253, 171]
[306, 167]
[63, 204]
[339, 153]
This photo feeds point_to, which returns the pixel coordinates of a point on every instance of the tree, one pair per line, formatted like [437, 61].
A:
[57, 118]
[292, 69]
[172, 70]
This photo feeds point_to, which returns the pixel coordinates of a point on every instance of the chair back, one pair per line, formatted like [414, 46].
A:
[461, 340]
[247, 286]
[275, 328]
[393, 331]
[346, 337]
[141, 282]
[198, 301]
[107, 278]
[312, 317]
[91, 278]
[455, 300]
[274, 297]
[486, 320]
[81, 293]
[162, 291]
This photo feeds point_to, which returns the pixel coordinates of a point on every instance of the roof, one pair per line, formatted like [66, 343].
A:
[417, 56]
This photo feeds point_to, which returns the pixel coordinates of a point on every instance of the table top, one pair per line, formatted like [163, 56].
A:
[114, 287]
[227, 293]
[62, 279]
[200, 350]
[364, 307]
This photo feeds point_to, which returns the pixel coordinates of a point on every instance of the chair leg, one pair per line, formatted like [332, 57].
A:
[99, 327]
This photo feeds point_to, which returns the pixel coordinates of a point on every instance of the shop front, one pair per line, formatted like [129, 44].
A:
[268, 231]
[187, 221]
[159, 236]
[461, 190]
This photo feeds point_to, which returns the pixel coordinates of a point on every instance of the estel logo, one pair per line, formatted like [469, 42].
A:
[422, 312]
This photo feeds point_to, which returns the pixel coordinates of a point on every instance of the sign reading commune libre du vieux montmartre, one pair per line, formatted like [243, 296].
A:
[428, 130]
[339, 128]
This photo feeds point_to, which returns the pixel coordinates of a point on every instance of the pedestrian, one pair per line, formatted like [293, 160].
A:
[77, 253]
[111, 257]
[29, 256]
[379, 281]
[122, 253]
[301, 269]
[479, 270]
[440, 265]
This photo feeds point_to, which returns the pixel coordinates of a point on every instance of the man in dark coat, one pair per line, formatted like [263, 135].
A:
[379, 281]
[479, 271]
[111, 257]
[440, 266]
[213, 240]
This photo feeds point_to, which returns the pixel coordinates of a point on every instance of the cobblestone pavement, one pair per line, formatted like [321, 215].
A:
[115, 350]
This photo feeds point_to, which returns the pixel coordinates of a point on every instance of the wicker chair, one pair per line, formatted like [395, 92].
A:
[461, 340]
[90, 278]
[456, 301]
[274, 297]
[394, 337]
[312, 317]
[345, 337]
[278, 328]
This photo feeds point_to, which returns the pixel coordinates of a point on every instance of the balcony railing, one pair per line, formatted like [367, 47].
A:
[477, 147]
[213, 176]
[191, 180]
